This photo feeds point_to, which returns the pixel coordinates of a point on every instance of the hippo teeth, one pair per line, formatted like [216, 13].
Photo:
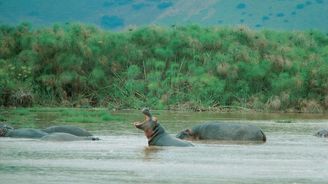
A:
[139, 124]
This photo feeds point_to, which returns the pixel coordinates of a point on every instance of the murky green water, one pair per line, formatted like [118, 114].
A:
[291, 154]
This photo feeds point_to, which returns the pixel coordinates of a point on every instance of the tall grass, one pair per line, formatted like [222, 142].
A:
[189, 67]
[31, 117]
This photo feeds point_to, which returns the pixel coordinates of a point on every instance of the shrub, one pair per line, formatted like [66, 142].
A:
[190, 67]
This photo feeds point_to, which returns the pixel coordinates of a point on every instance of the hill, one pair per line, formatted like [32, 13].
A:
[122, 14]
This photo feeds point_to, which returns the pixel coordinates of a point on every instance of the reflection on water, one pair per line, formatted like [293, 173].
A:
[291, 155]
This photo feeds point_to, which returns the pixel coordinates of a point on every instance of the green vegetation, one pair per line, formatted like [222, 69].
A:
[187, 67]
[41, 117]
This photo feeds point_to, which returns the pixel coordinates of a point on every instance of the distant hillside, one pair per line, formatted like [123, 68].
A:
[121, 14]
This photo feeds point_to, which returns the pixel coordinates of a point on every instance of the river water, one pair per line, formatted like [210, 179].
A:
[291, 154]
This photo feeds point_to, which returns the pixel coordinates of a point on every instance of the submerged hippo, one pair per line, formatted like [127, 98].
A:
[25, 133]
[52, 133]
[156, 134]
[59, 136]
[322, 133]
[8, 131]
[223, 131]
[68, 129]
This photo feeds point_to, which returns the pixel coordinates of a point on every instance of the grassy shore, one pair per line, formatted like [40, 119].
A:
[182, 67]
[40, 116]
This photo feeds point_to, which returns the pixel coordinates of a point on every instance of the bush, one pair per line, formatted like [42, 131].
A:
[189, 67]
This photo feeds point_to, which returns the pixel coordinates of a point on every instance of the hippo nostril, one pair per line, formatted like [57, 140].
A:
[95, 138]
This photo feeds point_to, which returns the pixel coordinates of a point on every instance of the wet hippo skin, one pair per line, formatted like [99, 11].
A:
[322, 133]
[59, 136]
[25, 133]
[55, 133]
[156, 134]
[68, 129]
[223, 131]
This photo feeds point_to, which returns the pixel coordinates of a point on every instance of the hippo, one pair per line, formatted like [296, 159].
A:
[156, 134]
[54, 133]
[322, 133]
[26, 133]
[8, 131]
[224, 132]
[68, 129]
[60, 136]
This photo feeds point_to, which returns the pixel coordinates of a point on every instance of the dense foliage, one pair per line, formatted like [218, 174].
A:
[187, 67]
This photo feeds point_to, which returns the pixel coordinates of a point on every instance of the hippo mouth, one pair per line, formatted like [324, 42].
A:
[142, 124]
[148, 117]
[139, 125]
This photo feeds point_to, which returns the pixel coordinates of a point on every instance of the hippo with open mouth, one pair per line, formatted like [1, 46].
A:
[54, 133]
[223, 132]
[156, 134]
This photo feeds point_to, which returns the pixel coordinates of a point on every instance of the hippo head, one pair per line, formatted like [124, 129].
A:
[4, 129]
[185, 134]
[322, 133]
[148, 124]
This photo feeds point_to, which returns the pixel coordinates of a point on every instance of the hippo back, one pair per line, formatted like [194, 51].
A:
[64, 137]
[68, 129]
[229, 131]
[26, 133]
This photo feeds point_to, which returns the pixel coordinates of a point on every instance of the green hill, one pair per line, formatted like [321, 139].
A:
[122, 14]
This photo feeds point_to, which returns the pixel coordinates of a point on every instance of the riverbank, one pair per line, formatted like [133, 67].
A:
[41, 116]
[182, 68]
[98, 118]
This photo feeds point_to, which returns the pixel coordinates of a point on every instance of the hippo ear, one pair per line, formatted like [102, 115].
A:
[188, 131]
